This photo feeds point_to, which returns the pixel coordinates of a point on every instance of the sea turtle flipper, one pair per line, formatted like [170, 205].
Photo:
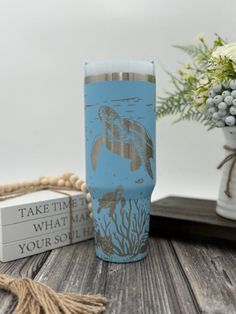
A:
[95, 151]
[149, 168]
[135, 163]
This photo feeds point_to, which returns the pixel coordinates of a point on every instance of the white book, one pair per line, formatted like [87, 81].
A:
[44, 225]
[39, 205]
[46, 242]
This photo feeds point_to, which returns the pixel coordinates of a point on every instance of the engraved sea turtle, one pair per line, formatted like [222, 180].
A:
[124, 137]
[111, 199]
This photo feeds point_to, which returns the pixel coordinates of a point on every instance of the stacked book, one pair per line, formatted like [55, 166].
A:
[41, 221]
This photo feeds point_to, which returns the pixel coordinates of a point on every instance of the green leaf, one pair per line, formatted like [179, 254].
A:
[185, 87]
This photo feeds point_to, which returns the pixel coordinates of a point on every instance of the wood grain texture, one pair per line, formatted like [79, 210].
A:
[155, 285]
[177, 216]
[74, 268]
[178, 276]
[25, 267]
[190, 209]
[211, 272]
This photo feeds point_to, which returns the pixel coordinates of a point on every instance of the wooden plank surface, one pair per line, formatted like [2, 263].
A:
[178, 276]
[155, 285]
[177, 216]
[211, 272]
[74, 268]
[25, 267]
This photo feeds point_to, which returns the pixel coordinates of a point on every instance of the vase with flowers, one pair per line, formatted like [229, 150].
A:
[205, 91]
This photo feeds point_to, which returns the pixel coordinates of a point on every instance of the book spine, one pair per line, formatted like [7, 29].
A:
[38, 209]
[42, 243]
[42, 226]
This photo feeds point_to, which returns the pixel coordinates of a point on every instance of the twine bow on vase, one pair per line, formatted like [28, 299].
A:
[230, 157]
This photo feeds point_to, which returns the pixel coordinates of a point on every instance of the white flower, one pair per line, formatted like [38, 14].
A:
[201, 37]
[204, 81]
[226, 51]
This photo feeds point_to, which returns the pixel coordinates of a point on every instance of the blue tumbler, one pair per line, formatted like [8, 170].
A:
[120, 130]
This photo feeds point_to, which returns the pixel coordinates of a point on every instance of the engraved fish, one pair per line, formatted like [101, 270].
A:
[124, 137]
[139, 181]
[126, 99]
[110, 200]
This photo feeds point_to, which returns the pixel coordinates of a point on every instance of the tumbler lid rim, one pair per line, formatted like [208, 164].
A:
[120, 76]
[115, 66]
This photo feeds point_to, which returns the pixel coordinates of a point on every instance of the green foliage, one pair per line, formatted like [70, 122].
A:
[190, 85]
[221, 69]
[184, 111]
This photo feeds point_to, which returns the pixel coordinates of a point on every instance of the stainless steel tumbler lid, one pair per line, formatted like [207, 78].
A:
[120, 71]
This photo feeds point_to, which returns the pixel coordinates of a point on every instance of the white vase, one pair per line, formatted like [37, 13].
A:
[226, 205]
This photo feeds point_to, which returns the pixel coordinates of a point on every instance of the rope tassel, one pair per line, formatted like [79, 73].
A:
[37, 298]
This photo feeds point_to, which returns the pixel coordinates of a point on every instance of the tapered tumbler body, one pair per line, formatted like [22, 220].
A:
[120, 120]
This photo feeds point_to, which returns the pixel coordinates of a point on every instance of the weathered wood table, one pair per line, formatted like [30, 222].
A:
[194, 275]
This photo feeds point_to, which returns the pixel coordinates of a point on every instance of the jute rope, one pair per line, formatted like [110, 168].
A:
[70, 210]
[37, 298]
[228, 158]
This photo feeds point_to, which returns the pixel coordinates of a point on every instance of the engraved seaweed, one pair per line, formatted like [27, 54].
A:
[126, 233]
[105, 242]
